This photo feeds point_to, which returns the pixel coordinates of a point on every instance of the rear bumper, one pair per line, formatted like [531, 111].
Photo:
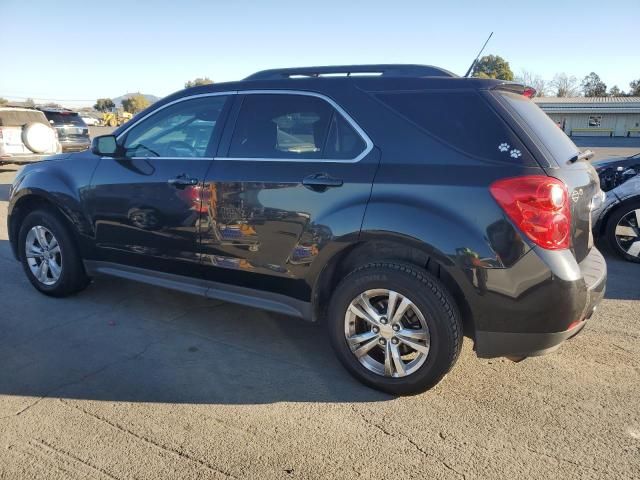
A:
[75, 145]
[584, 295]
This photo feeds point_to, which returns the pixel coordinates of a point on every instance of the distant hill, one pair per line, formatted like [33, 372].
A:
[118, 100]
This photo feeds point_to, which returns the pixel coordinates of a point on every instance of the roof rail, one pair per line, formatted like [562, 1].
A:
[386, 70]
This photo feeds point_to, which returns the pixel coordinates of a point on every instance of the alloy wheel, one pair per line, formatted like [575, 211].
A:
[43, 255]
[387, 333]
[628, 233]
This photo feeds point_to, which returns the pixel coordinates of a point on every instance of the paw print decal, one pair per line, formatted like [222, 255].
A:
[515, 153]
[504, 147]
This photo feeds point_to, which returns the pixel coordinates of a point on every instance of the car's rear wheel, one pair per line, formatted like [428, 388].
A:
[395, 327]
[49, 255]
[623, 231]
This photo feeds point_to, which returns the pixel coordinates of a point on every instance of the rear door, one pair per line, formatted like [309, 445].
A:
[558, 151]
[145, 205]
[294, 172]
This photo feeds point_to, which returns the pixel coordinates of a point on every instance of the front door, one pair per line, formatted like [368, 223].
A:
[293, 174]
[145, 206]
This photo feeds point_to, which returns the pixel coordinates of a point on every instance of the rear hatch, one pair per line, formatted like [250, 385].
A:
[69, 125]
[12, 123]
[558, 156]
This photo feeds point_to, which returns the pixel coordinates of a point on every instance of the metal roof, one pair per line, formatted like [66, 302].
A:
[589, 104]
[586, 100]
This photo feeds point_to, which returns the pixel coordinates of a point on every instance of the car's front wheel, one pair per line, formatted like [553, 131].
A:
[623, 231]
[49, 255]
[394, 327]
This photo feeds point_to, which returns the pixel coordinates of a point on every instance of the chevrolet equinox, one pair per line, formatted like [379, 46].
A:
[402, 205]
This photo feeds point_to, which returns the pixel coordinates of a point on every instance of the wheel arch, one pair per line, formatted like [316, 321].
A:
[29, 202]
[386, 246]
[613, 210]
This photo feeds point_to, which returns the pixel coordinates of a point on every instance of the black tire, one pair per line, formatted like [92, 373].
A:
[432, 299]
[72, 277]
[612, 223]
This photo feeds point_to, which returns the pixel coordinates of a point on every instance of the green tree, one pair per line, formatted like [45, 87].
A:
[135, 103]
[635, 88]
[3, 101]
[492, 66]
[565, 85]
[616, 92]
[592, 86]
[29, 103]
[197, 82]
[104, 105]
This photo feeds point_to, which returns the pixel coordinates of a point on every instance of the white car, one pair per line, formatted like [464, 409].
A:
[91, 121]
[26, 136]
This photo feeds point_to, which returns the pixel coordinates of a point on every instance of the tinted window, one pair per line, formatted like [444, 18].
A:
[292, 126]
[64, 118]
[556, 141]
[180, 130]
[461, 119]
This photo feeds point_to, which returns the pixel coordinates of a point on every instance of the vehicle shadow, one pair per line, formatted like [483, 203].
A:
[122, 341]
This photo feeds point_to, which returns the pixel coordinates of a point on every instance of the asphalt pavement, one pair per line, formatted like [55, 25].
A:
[127, 381]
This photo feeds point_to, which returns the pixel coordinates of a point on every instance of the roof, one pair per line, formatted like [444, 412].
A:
[589, 104]
[390, 70]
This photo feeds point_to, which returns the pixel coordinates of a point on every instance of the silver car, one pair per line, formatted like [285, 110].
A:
[618, 217]
[25, 136]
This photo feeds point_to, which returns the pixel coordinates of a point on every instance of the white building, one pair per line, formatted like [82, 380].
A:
[591, 116]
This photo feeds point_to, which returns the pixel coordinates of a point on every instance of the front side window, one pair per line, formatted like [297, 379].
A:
[283, 126]
[182, 130]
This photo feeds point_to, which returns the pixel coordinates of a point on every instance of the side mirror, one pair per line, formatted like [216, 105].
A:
[105, 146]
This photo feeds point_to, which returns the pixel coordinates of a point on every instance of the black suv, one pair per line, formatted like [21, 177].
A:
[73, 133]
[402, 206]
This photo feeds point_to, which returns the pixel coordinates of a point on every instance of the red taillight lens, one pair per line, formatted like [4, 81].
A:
[529, 92]
[539, 206]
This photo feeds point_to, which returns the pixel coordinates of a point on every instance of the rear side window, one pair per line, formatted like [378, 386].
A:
[461, 119]
[65, 119]
[283, 126]
[552, 136]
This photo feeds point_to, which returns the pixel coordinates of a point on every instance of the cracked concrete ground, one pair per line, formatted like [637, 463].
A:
[126, 381]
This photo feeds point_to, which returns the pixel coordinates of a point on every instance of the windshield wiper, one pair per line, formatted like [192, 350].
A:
[586, 155]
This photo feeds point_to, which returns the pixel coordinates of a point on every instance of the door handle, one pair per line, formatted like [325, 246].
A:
[182, 181]
[320, 182]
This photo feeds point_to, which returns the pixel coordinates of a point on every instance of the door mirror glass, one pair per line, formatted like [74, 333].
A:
[104, 145]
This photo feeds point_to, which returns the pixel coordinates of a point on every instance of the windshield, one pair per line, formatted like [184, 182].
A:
[552, 136]
[64, 118]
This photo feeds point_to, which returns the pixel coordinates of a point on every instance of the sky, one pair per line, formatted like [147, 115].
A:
[75, 52]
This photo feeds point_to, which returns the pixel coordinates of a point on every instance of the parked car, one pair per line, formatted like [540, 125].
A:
[90, 121]
[401, 206]
[73, 133]
[25, 136]
[618, 217]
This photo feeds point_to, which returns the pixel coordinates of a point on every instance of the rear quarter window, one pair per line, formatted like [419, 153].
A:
[462, 120]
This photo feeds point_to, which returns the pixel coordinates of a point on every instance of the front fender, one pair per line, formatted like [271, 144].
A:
[61, 184]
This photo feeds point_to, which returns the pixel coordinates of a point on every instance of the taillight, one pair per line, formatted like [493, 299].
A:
[529, 92]
[539, 206]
